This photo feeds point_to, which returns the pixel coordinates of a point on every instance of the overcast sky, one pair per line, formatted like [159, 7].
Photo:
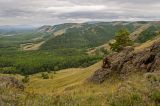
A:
[50, 12]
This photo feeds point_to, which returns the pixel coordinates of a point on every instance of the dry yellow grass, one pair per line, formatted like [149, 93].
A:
[59, 32]
[147, 44]
[69, 87]
[61, 80]
[137, 32]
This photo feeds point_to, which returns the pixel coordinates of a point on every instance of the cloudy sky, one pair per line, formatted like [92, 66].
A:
[50, 12]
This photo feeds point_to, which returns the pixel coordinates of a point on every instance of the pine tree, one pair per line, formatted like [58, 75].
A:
[122, 40]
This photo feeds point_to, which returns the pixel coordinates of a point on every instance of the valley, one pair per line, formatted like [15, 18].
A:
[56, 65]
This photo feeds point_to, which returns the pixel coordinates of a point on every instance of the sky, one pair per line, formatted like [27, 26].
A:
[51, 12]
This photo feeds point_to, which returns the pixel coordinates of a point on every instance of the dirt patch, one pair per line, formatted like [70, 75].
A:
[31, 46]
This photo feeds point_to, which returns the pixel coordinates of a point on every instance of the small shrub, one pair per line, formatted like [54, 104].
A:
[45, 76]
[104, 51]
[25, 79]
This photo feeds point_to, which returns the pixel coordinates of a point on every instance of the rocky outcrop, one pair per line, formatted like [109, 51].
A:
[11, 82]
[128, 61]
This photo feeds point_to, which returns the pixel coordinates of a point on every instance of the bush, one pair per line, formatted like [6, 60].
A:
[104, 51]
[25, 79]
[45, 76]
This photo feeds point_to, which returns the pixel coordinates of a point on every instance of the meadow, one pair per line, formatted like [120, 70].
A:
[70, 88]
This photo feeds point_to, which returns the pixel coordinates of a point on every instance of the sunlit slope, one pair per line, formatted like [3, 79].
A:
[147, 44]
[70, 77]
[61, 80]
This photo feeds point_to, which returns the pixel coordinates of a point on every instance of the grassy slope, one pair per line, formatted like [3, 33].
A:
[67, 78]
[69, 87]
[147, 44]
[149, 33]
[61, 80]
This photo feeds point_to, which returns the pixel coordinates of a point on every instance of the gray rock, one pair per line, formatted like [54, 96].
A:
[128, 61]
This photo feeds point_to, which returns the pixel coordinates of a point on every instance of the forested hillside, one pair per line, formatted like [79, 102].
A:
[150, 33]
[86, 35]
[52, 48]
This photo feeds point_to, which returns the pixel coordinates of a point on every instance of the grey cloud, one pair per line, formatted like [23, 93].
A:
[115, 1]
[91, 15]
[60, 11]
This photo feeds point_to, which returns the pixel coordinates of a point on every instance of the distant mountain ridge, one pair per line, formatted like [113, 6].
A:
[86, 36]
[94, 34]
[83, 35]
[11, 28]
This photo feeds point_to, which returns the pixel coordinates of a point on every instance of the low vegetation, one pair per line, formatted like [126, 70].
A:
[25, 79]
[45, 76]
[66, 88]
